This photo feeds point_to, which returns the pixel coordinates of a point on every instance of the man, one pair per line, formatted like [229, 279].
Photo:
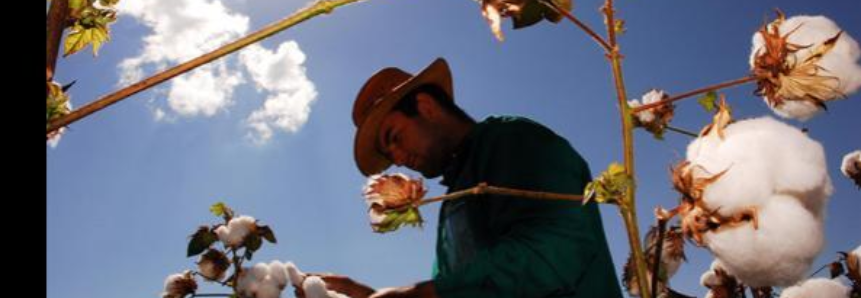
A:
[488, 246]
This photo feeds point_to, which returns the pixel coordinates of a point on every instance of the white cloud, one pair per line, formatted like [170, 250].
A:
[182, 30]
[204, 91]
[291, 93]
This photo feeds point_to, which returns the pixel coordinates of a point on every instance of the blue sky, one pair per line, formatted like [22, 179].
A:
[125, 187]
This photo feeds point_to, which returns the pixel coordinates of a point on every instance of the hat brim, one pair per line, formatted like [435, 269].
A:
[368, 158]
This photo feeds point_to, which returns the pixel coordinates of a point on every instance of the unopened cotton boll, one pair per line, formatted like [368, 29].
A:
[778, 253]
[762, 157]
[817, 287]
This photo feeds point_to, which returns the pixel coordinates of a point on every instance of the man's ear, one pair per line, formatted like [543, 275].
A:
[427, 106]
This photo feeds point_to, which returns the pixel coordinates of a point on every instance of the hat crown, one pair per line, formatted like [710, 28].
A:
[375, 89]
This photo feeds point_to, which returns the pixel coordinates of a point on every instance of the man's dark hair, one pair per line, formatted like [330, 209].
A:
[409, 105]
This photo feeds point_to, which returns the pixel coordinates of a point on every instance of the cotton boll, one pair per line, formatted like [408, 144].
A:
[268, 289]
[710, 278]
[315, 287]
[761, 157]
[796, 109]
[841, 61]
[817, 287]
[278, 273]
[835, 74]
[778, 253]
[296, 276]
[242, 226]
[247, 283]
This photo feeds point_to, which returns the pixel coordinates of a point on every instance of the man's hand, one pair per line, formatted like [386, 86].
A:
[341, 284]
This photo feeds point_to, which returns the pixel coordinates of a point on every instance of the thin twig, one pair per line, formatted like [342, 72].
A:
[682, 131]
[483, 188]
[688, 94]
[320, 7]
[600, 40]
[662, 228]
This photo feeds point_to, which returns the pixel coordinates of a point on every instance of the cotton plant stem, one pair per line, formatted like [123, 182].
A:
[318, 8]
[627, 206]
[483, 188]
[688, 94]
[600, 40]
[56, 23]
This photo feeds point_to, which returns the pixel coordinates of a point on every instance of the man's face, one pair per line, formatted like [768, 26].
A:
[415, 143]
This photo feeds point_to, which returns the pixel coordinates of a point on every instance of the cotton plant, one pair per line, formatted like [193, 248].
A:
[851, 167]
[229, 244]
[803, 62]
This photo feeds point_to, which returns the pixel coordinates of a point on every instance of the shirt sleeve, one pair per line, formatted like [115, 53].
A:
[542, 247]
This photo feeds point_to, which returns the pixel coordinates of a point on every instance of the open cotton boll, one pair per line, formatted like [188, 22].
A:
[247, 283]
[841, 61]
[778, 253]
[296, 276]
[278, 273]
[315, 287]
[268, 289]
[762, 157]
[799, 87]
[817, 287]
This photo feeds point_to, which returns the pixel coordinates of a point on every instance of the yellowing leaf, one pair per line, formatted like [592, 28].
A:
[79, 37]
[609, 187]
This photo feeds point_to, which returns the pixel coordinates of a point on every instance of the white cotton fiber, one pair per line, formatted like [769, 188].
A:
[818, 288]
[778, 253]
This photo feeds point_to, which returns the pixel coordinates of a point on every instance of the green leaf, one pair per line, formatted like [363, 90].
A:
[395, 219]
[266, 233]
[252, 242]
[709, 101]
[201, 240]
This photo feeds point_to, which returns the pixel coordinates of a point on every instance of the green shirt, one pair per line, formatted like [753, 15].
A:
[502, 246]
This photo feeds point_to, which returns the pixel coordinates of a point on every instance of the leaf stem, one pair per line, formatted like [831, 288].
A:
[682, 131]
[600, 40]
[746, 79]
[483, 188]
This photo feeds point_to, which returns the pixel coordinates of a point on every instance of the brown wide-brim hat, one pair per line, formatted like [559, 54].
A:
[377, 98]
